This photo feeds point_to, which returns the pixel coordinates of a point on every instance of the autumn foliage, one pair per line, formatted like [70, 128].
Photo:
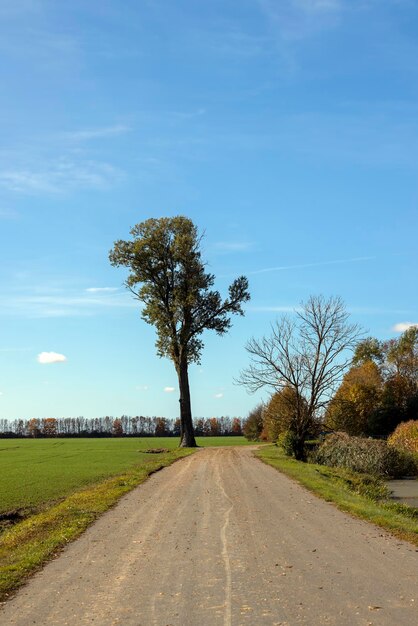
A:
[380, 390]
[405, 436]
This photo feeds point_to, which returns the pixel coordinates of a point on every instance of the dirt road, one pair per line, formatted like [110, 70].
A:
[221, 539]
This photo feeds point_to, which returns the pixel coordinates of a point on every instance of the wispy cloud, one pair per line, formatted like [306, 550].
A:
[294, 20]
[233, 246]
[274, 309]
[53, 163]
[41, 304]
[169, 389]
[8, 214]
[218, 395]
[62, 176]
[13, 8]
[96, 133]
[142, 387]
[46, 358]
[101, 289]
[233, 43]
[186, 115]
[281, 268]
[401, 327]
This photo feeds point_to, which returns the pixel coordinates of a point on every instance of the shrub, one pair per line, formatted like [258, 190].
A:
[371, 487]
[253, 425]
[366, 456]
[405, 436]
[286, 441]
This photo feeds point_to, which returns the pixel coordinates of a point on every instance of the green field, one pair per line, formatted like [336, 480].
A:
[36, 472]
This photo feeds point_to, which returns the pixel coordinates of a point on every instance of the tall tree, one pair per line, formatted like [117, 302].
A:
[396, 362]
[308, 354]
[356, 406]
[168, 275]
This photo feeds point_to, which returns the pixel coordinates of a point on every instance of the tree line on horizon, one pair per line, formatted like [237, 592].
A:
[124, 426]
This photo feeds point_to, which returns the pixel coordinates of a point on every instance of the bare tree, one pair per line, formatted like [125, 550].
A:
[309, 354]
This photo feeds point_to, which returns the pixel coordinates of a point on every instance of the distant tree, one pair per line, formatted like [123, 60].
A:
[117, 428]
[236, 428]
[199, 427]
[49, 427]
[253, 424]
[161, 427]
[215, 427]
[307, 353]
[356, 406]
[168, 276]
[34, 429]
[176, 428]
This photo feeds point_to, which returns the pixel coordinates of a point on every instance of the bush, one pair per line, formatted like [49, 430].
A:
[286, 441]
[371, 487]
[405, 436]
[253, 425]
[366, 456]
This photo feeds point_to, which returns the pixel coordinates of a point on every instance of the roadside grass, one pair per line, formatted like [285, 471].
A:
[358, 494]
[28, 544]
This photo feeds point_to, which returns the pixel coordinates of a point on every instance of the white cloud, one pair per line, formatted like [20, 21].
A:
[401, 327]
[101, 289]
[218, 395]
[51, 357]
[169, 389]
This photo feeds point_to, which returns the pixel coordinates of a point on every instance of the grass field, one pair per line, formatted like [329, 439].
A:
[36, 472]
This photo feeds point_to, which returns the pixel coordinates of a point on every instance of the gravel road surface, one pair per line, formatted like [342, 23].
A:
[220, 539]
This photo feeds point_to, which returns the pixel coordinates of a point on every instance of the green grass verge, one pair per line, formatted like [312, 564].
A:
[30, 543]
[357, 494]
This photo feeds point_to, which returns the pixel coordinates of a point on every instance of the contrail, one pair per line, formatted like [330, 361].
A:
[281, 268]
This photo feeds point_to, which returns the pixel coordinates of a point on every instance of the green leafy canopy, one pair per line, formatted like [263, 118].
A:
[167, 274]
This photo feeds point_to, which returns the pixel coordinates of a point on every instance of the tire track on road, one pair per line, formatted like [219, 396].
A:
[225, 553]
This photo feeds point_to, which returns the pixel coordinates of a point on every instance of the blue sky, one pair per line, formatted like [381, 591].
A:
[287, 130]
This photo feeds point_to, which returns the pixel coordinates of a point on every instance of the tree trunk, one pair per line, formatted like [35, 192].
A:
[187, 439]
[299, 449]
